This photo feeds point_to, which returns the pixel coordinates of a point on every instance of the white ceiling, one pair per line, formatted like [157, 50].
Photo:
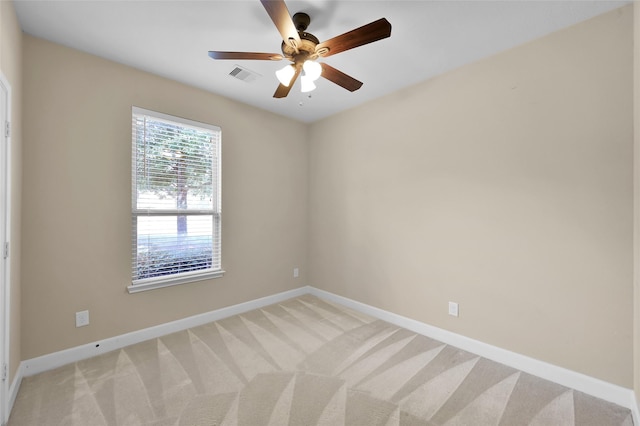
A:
[171, 38]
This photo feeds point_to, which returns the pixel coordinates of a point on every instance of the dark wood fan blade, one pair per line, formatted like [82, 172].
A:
[340, 78]
[376, 30]
[246, 55]
[282, 91]
[280, 16]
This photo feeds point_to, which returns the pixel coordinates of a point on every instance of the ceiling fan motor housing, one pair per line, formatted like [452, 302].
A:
[303, 51]
[298, 53]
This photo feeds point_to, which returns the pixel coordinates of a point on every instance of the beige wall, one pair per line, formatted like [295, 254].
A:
[506, 186]
[11, 65]
[77, 201]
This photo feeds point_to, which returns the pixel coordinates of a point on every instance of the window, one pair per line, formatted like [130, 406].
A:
[175, 200]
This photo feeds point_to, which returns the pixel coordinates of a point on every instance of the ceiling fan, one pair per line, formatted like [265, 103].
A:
[303, 49]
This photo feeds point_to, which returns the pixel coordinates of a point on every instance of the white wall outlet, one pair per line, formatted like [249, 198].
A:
[82, 318]
[453, 309]
[296, 272]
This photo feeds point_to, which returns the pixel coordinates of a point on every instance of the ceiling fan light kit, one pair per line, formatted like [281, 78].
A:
[285, 75]
[312, 70]
[306, 84]
[303, 49]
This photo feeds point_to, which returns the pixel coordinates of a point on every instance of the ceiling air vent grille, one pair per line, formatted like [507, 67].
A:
[244, 74]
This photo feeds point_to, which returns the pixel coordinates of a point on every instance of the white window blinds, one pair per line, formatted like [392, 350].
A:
[175, 200]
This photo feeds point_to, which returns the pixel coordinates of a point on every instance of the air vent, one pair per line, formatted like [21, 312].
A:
[244, 74]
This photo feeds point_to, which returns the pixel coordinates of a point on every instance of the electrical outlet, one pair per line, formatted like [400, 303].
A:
[82, 318]
[453, 309]
[296, 272]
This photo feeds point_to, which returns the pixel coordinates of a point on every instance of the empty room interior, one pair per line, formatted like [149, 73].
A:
[453, 242]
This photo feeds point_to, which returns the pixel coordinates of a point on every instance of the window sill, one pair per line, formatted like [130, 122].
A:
[154, 283]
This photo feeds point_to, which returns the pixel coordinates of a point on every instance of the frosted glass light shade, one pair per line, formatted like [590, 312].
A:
[312, 69]
[307, 84]
[285, 74]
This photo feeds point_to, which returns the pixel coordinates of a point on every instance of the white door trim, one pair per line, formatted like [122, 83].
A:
[5, 231]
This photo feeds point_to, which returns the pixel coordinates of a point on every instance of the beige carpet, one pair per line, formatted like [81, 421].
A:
[302, 362]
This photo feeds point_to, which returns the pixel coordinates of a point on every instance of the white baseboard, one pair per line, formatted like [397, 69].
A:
[78, 353]
[635, 412]
[571, 379]
[14, 388]
[581, 382]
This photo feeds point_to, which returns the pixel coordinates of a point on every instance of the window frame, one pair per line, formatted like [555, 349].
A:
[216, 271]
